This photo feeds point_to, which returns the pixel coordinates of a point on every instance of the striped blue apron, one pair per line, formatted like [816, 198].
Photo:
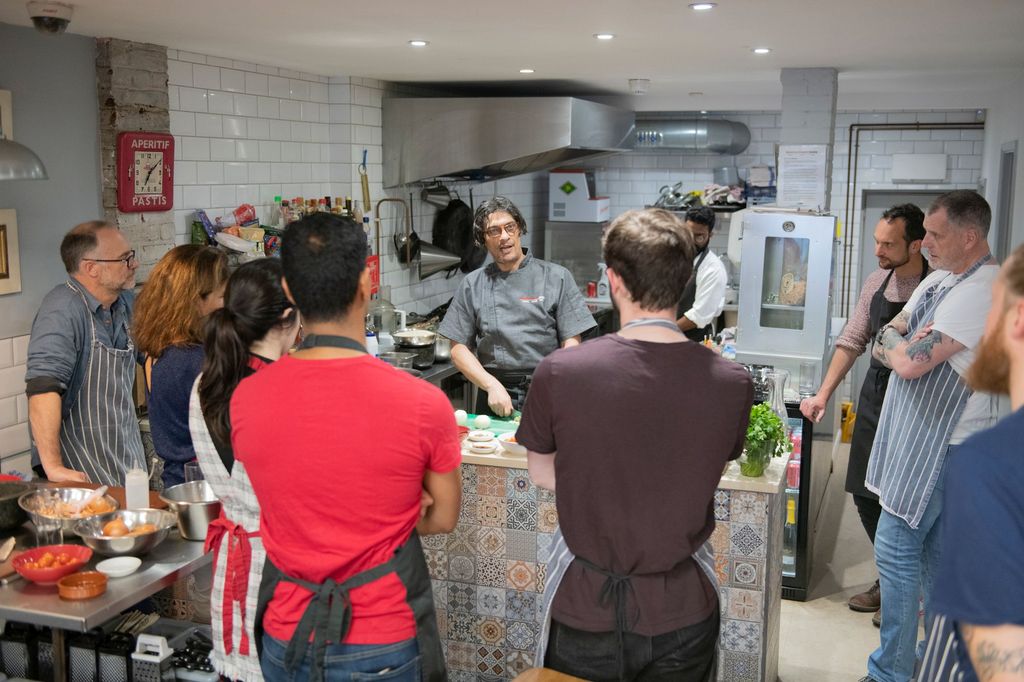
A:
[100, 436]
[918, 418]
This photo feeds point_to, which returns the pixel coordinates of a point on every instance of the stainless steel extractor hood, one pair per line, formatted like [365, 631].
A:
[490, 138]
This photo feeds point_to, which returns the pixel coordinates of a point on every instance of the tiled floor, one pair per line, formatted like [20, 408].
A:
[822, 640]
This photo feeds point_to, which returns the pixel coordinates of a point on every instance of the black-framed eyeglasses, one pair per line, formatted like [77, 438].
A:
[496, 230]
[127, 260]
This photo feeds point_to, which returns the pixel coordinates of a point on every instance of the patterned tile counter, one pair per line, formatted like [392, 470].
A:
[489, 573]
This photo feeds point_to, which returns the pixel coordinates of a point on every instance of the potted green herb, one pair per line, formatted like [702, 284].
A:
[766, 438]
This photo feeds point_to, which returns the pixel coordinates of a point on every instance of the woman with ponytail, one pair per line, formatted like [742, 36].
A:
[256, 326]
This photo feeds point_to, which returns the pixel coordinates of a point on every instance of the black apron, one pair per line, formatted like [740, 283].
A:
[328, 616]
[516, 382]
[686, 302]
[872, 392]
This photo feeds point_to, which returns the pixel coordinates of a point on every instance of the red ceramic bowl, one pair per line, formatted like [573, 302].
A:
[49, 576]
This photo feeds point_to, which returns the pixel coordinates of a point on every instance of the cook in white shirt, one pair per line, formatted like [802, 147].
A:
[704, 296]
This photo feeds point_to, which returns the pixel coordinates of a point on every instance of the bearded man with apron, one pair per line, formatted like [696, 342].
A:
[704, 296]
[928, 409]
[510, 314]
[82, 362]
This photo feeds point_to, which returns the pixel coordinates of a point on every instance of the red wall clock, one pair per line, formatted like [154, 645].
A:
[145, 172]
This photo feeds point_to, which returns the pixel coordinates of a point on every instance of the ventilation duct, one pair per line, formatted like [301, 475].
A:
[698, 136]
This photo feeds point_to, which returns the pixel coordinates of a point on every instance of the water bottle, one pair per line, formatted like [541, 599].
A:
[136, 489]
[371, 344]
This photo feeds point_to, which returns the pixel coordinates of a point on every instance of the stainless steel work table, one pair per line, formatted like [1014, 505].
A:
[25, 602]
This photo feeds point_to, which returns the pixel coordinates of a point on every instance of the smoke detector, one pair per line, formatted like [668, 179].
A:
[639, 86]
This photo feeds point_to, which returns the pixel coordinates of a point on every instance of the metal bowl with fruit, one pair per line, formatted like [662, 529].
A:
[128, 532]
[64, 504]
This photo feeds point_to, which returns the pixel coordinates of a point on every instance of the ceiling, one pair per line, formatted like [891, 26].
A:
[879, 45]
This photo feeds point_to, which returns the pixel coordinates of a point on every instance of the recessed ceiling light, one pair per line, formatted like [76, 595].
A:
[702, 6]
[761, 50]
[418, 43]
[525, 70]
[604, 36]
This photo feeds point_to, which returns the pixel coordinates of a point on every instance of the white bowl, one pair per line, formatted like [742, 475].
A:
[119, 567]
[488, 448]
[511, 448]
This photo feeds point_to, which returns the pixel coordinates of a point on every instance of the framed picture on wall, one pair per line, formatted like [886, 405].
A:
[10, 263]
[6, 116]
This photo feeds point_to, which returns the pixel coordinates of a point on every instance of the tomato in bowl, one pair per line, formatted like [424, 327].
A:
[46, 565]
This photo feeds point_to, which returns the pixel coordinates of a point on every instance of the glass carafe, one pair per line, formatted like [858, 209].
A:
[382, 312]
[778, 378]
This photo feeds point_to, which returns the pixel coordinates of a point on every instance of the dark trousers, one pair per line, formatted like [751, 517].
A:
[685, 655]
[870, 510]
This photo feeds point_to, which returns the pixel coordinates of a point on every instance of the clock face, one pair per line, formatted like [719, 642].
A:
[149, 172]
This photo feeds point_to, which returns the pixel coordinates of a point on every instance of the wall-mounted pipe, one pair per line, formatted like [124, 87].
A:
[698, 136]
[852, 154]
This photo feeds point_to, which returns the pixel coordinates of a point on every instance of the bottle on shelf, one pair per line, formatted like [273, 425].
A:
[789, 538]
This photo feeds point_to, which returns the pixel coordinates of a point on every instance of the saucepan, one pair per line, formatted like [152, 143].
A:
[418, 341]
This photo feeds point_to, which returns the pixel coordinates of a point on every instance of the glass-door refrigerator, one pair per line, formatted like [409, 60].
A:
[787, 267]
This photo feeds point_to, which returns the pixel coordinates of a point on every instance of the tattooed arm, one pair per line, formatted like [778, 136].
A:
[914, 358]
[997, 652]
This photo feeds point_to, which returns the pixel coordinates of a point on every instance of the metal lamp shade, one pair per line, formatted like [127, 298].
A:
[18, 162]
[433, 259]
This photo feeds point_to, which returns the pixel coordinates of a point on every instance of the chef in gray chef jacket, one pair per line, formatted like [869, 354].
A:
[509, 314]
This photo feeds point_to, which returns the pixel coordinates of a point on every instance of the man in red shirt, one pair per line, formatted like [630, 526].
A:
[340, 448]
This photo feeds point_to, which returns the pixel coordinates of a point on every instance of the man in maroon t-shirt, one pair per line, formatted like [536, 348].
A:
[643, 422]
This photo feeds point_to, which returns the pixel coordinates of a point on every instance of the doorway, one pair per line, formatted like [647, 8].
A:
[875, 202]
[1004, 200]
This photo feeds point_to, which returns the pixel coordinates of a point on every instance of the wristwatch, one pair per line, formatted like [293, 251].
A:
[881, 333]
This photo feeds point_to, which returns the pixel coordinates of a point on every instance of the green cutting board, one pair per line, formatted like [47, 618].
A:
[498, 426]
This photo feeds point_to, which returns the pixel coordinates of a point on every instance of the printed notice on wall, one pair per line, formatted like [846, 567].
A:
[801, 180]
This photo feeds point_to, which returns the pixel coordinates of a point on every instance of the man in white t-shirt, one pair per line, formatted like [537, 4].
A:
[928, 411]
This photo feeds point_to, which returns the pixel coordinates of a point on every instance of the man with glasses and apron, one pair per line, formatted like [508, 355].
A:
[81, 364]
[510, 314]
[928, 411]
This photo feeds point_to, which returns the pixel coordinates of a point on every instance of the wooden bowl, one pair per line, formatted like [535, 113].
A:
[85, 585]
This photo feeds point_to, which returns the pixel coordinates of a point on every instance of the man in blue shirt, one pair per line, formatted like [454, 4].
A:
[81, 363]
[978, 629]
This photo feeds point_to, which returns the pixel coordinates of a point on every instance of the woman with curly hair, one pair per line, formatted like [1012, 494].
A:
[256, 326]
[184, 287]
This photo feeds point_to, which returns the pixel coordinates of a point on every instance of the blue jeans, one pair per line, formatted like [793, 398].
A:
[907, 560]
[398, 662]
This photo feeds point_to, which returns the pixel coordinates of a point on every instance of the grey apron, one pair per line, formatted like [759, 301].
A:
[329, 614]
[918, 418]
[872, 392]
[561, 557]
[100, 436]
[688, 299]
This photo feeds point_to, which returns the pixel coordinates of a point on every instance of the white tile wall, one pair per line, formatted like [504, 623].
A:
[229, 119]
[14, 439]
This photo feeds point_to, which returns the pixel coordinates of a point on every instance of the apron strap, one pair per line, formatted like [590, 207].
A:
[615, 591]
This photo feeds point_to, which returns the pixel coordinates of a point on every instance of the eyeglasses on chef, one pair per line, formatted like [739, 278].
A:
[126, 259]
[496, 230]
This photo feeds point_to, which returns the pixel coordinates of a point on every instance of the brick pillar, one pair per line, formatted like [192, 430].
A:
[809, 112]
[131, 80]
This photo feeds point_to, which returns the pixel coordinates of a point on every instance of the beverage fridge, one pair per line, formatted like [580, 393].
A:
[806, 472]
